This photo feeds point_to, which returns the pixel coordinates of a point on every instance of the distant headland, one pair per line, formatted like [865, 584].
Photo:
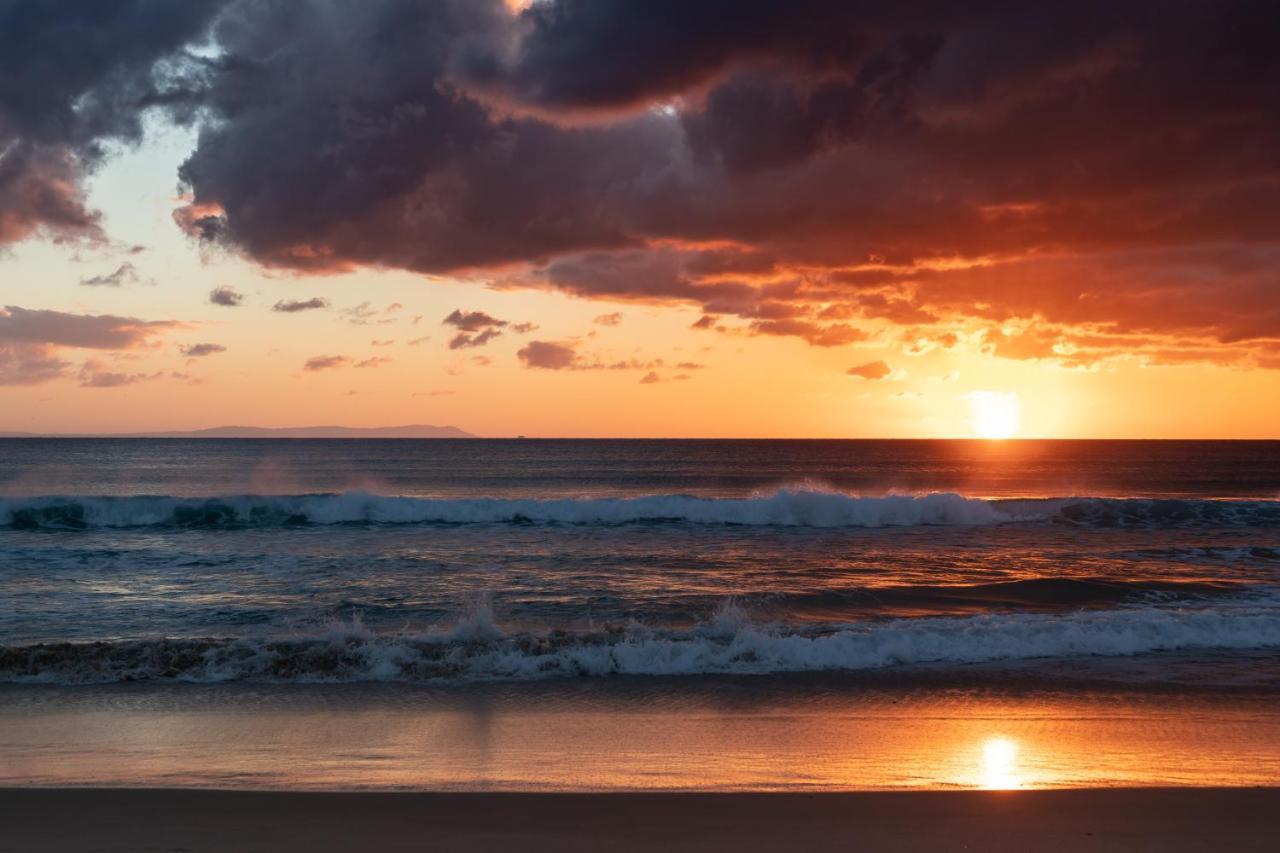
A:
[407, 431]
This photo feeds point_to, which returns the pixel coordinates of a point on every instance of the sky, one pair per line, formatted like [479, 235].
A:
[642, 217]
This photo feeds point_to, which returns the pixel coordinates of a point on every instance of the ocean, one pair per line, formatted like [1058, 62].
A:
[672, 614]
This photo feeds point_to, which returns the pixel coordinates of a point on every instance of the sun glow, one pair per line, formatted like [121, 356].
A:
[996, 414]
[999, 758]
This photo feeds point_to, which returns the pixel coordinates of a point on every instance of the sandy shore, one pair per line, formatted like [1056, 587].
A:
[197, 821]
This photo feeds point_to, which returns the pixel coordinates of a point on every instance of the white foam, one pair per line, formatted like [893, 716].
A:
[476, 649]
[790, 507]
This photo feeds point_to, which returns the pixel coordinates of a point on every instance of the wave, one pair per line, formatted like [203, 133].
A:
[1032, 593]
[787, 507]
[728, 644]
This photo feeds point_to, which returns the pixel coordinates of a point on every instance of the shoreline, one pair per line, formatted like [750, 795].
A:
[194, 820]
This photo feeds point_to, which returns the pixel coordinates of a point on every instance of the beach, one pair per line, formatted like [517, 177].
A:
[65, 820]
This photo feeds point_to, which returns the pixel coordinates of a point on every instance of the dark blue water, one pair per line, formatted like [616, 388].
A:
[447, 560]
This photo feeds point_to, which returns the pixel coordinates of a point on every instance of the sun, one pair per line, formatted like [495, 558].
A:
[996, 414]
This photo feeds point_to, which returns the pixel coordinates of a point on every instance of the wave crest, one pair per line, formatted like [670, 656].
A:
[786, 507]
[728, 644]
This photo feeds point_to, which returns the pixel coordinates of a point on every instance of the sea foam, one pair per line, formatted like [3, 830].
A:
[786, 507]
[728, 644]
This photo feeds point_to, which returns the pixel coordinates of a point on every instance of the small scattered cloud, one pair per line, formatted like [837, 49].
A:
[417, 341]
[383, 343]
[293, 306]
[548, 355]
[524, 328]
[94, 374]
[475, 328]
[325, 362]
[706, 321]
[613, 319]
[375, 361]
[433, 393]
[124, 274]
[226, 296]
[462, 339]
[365, 314]
[871, 370]
[653, 378]
[199, 350]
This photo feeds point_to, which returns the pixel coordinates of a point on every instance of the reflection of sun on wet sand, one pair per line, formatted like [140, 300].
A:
[998, 764]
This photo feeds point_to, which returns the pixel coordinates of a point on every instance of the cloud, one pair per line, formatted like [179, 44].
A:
[199, 350]
[613, 319]
[29, 364]
[462, 339]
[833, 335]
[89, 331]
[374, 361]
[472, 321]
[226, 296]
[476, 328]
[417, 341]
[814, 169]
[548, 355]
[364, 314]
[94, 374]
[325, 362]
[524, 328]
[871, 370]
[124, 274]
[293, 306]
[77, 76]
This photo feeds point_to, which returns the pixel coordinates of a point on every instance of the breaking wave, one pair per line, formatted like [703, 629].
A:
[787, 507]
[727, 644]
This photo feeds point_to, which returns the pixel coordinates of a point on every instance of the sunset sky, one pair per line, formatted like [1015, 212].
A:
[609, 218]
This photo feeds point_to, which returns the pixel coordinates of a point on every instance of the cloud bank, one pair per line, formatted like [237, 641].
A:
[1065, 183]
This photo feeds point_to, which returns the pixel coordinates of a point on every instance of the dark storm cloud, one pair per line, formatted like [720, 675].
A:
[799, 166]
[73, 76]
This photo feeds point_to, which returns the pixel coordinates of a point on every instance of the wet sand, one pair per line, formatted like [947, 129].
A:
[55, 820]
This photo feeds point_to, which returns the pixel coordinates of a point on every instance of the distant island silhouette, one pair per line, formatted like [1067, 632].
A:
[407, 431]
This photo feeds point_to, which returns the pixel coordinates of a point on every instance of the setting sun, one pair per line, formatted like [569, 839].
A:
[995, 414]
